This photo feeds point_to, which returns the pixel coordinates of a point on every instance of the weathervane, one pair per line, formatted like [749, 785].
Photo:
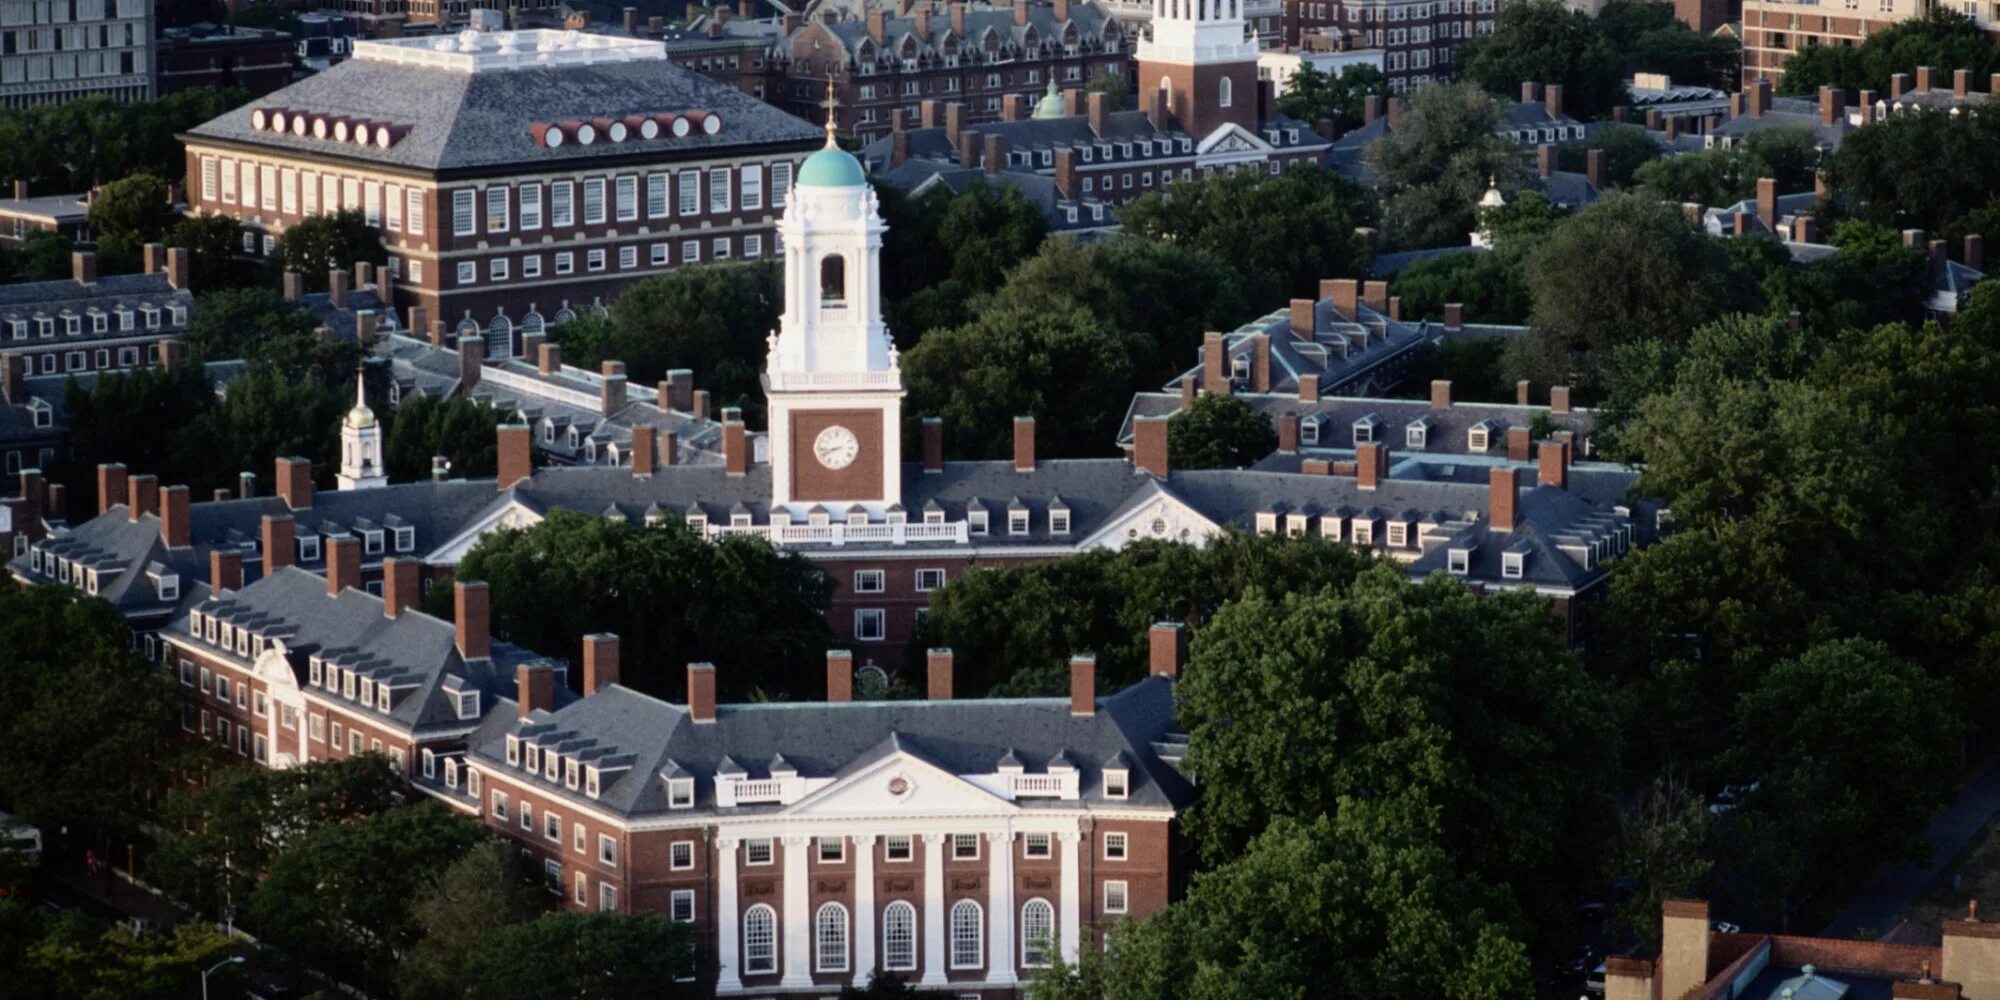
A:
[831, 104]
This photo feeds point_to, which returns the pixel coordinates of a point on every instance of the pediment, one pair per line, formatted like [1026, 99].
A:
[512, 514]
[1162, 516]
[900, 783]
[1231, 139]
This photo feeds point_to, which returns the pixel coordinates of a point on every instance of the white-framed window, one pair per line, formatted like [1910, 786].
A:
[753, 246]
[689, 194]
[1037, 845]
[496, 269]
[392, 207]
[721, 248]
[607, 849]
[413, 211]
[929, 580]
[870, 581]
[897, 847]
[690, 251]
[463, 223]
[531, 266]
[593, 200]
[680, 906]
[680, 855]
[968, 937]
[565, 262]
[1114, 846]
[1038, 922]
[607, 897]
[562, 204]
[468, 272]
[680, 793]
[656, 195]
[899, 937]
[552, 871]
[531, 206]
[718, 189]
[1117, 783]
[757, 851]
[781, 184]
[499, 801]
[760, 940]
[626, 191]
[830, 938]
[751, 179]
[527, 817]
[1115, 896]
[870, 625]
[593, 260]
[965, 847]
[628, 257]
[582, 895]
[832, 850]
[1511, 565]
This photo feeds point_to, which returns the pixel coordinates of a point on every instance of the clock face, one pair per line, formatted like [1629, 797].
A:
[836, 447]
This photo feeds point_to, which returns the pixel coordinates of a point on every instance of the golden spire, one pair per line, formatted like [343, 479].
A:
[830, 104]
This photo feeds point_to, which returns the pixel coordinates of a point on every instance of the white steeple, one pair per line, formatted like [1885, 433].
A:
[360, 444]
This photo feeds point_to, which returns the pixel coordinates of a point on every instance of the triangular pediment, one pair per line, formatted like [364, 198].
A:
[1156, 513]
[900, 783]
[510, 514]
[1231, 139]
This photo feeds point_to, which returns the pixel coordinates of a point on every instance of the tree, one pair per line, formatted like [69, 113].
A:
[1626, 148]
[673, 599]
[45, 256]
[1112, 85]
[69, 954]
[266, 413]
[1493, 285]
[482, 890]
[316, 245]
[131, 417]
[614, 956]
[1653, 40]
[1282, 234]
[1312, 96]
[267, 15]
[460, 428]
[1219, 432]
[1661, 840]
[1923, 170]
[887, 986]
[1431, 175]
[126, 214]
[211, 242]
[1068, 370]
[1725, 175]
[945, 247]
[1940, 37]
[1625, 268]
[257, 325]
[1543, 41]
[340, 896]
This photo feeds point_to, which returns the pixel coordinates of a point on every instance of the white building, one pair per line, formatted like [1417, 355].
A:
[58, 50]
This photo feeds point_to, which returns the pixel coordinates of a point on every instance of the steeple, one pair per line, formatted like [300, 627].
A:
[360, 443]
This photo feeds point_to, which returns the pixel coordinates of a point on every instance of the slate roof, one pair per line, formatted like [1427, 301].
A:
[963, 737]
[55, 209]
[110, 293]
[1343, 352]
[1446, 427]
[1785, 112]
[1092, 23]
[480, 120]
[17, 420]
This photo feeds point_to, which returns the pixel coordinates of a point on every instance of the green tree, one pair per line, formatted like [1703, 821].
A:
[69, 954]
[1112, 85]
[1543, 41]
[130, 417]
[1219, 432]
[460, 428]
[1725, 175]
[1940, 37]
[1492, 286]
[211, 242]
[259, 326]
[481, 891]
[45, 256]
[615, 956]
[1431, 175]
[945, 247]
[1626, 148]
[266, 413]
[1661, 840]
[316, 245]
[1653, 40]
[1282, 234]
[673, 598]
[1312, 96]
[126, 214]
[1923, 170]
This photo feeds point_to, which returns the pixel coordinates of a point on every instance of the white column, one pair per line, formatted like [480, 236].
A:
[1071, 904]
[934, 953]
[798, 921]
[728, 925]
[864, 908]
[1000, 907]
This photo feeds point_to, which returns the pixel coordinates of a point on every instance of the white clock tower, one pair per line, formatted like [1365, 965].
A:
[833, 382]
[361, 458]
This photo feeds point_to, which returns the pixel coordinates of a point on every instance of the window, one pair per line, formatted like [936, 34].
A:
[929, 580]
[781, 184]
[562, 204]
[628, 258]
[656, 196]
[1114, 896]
[830, 938]
[690, 251]
[527, 816]
[607, 897]
[832, 850]
[760, 939]
[897, 847]
[965, 847]
[1511, 565]
[899, 937]
[751, 178]
[753, 245]
[594, 260]
[1459, 561]
[680, 856]
[565, 262]
[680, 906]
[721, 248]
[967, 937]
[462, 221]
[499, 805]
[552, 826]
[1036, 845]
[680, 793]
[582, 888]
[1038, 922]
[718, 189]
[627, 194]
[657, 255]
[870, 625]
[1117, 783]
[553, 871]
[1017, 522]
[1114, 847]
[531, 206]
[316, 727]
[496, 269]
[690, 192]
[607, 849]
[757, 852]
[593, 200]
[1399, 534]
[869, 581]
[468, 272]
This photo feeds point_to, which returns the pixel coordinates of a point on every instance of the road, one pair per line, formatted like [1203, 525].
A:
[1878, 906]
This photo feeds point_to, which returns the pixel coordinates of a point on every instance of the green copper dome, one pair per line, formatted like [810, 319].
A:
[1051, 104]
[832, 167]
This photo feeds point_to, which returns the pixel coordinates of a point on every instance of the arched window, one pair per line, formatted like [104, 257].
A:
[1222, 96]
[830, 939]
[833, 278]
[760, 940]
[968, 944]
[500, 339]
[533, 323]
[1166, 84]
[1038, 931]
[899, 937]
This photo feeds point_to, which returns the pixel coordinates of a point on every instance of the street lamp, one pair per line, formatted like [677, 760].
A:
[232, 960]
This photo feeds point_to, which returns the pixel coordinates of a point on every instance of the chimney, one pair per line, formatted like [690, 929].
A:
[698, 403]
[1308, 388]
[1899, 84]
[878, 20]
[471, 359]
[1288, 433]
[13, 379]
[154, 257]
[1167, 649]
[1371, 108]
[923, 25]
[439, 338]
[611, 394]
[735, 445]
[1260, 362]
[1371, 465]
[1502, 496]
[1189, 390]
[678, 390]
[1545, 160]
[336, 288]
[1159, 110]
[1684, 931]
[83, 267]
[746, 8]
[1149, 446]
[958, 18]
[600, 662]
[1832, 105]
[535, 687]
[968, 149]
[1519, 443]
[57, 508]
[1530, 92]
[1065, 174]
[402, 586]
[225, 569]
[1097, 108]
[1594, 170]
[1214, 363]
[343, 564]
[295, 484]
[1011, 108]
[933, 444]
[531, 347]
[1302, 319]
[1975, 252]
[899, 144]
[839, 675]
[1441, 394]
[1937, 259]
[246, 484]
[549, 358]
[1375, 295]
[1767, 202]
[1554, 469]
[937, 674]
[1024, 444]
[1760, 97]
[1072, 98]
[701, 692]
[1805, 229]
[1628, 978]
[145, 498]
[631, 20]
[669, 445]
[645, 449]
[1867, 107]
[1913, 238]
[1656, 121]
[1345, 294]
[1923, 79]
[171, 351]
[1558, 399]
[279, 549]
[954, 121]
[1083, 684]
[1521, 393]
[364, 275]
[516, 460]
[474, 617]
[364, 329]
[1555, 100]
[996, 150]
[1020, 13]
[177, 267]
[175, 531]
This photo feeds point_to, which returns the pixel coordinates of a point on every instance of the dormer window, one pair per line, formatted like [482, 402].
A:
[1117, 783]
[1511, 565]
[1399, 534]
[1309, 430]
[309, 548]
[1363, 532]
[382, 698]
[1239, 369]
[551, 766]
[1059, 520]
[1017, 522]
[1479, 437]
[1364, 429]
[371, 542]
[857, 519]
[406, 539]
[1416, 434]
[468, 704]
[451, 773]
[590, 782]
[531, 759]
[318, 674]
[1458, 561]
[977, 520]
[680, 793]
[170, 587]
[570, 773]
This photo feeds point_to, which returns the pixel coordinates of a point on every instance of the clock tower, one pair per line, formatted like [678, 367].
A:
[833, 382]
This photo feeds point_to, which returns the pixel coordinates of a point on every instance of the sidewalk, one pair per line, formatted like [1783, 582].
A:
[1878, 906]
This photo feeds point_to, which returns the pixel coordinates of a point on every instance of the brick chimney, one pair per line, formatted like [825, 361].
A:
[1899, 84]
[1502, 497]
[83, 267]
[1530, 92]
[1308, 388]
[677, 392]
[175, 530]
[13, 379]
[1760, 98]
[1594, 170]
[1545, 160]
[440, 339]
[1553, 97]
[337, 287]
[878, 20]
[1083, 684]
[1924, 76]
[1975, 252]
[1832, 105]
[471, 361]
[611, 394]
[1072, 99]
[1024, 444]
[343, 564]
[1519, 443]
[1020, 13]
[1260, 362]
[145, 497]
[548, 358]
[402, 586]
[698, 404]
[1012, 108]
[701, 692]
[1215, 362]
[1867, 108]
[474, 619]
[294, 482]
[1935, 251]
[937, 674]
[600, 662]
[1371, 464]
[1521, 392]
[1554, 465]
[1684, 931]
[178, 265]
[1628, 978]
[735, 445]
[1166, 649]
[1441, 394]
[154, 258]
[996, 153]
[1375, 295]
[225, 569]
[968, 149]
[1371, 108]
[1097, 108]
[645, 450]
[1767, 202]
[839, 675]
[535, 687]
[954, 121]
[279, 542]
[1149, 446]
[1558, 399]
[933, 444]
[516, 459]
[1288, 433]
[1301, 319]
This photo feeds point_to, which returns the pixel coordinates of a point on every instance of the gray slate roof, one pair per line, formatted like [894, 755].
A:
[107, 295]
[1447, 427]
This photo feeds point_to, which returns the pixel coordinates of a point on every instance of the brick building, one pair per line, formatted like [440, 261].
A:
[215, 57]
[508, 171]
[1774, 29]
[92, 322]
[54, 52]
[1418, 38]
